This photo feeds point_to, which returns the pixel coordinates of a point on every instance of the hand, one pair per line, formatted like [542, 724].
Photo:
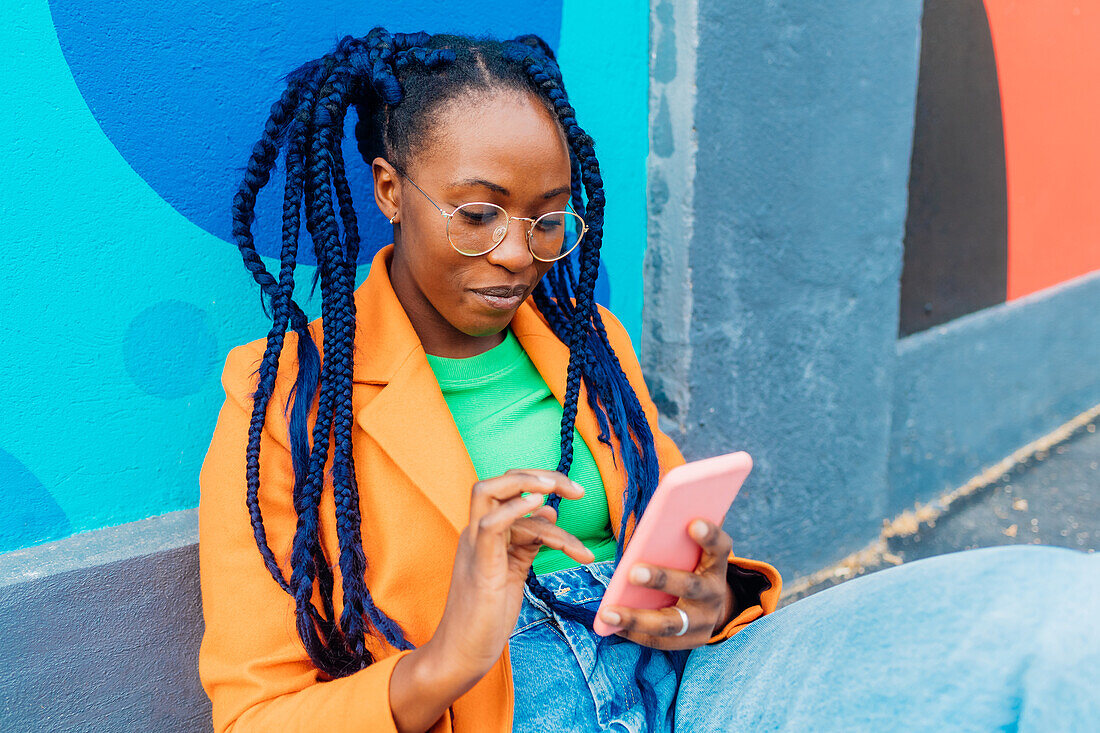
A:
[704, 596]
[495, 551]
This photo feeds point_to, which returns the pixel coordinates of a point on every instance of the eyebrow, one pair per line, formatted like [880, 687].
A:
[504, 191]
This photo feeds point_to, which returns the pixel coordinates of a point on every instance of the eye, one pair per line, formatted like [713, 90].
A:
[478, 214]
[550, 223]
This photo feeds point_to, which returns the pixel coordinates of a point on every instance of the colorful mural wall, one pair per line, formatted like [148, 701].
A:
[127, 126]
[1006, 160]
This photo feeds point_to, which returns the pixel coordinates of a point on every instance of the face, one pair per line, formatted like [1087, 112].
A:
[505, 149]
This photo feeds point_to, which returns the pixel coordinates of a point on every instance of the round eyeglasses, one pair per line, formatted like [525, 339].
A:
[478, 227]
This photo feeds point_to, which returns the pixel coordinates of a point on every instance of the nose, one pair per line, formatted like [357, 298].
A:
[512, 252]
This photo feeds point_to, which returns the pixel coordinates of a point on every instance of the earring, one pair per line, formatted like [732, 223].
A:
[393, 217]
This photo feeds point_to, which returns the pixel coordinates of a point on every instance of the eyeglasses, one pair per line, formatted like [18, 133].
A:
[478, 227]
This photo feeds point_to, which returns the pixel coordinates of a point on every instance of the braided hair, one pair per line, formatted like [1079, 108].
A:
[398, 83]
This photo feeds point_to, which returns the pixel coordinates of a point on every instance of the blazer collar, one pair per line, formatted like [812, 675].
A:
[409, 417]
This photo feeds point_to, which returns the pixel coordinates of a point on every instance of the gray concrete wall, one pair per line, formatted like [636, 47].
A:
[777, 200]
[101, 631]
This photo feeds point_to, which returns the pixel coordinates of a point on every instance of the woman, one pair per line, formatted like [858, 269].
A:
[415, 579]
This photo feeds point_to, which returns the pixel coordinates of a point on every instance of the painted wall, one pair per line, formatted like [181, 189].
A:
[1003, 188]
[1001, 283]
[126, 127]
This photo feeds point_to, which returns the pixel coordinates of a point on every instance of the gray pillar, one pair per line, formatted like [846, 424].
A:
[780, 145]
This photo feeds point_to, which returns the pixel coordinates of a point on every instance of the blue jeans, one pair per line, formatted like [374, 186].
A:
[1004, 638]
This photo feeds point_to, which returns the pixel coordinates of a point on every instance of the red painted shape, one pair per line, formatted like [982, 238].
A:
[1048, 64]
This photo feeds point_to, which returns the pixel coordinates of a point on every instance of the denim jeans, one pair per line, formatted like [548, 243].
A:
[1004, 638]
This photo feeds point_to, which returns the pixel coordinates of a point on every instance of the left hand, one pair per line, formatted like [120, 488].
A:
[704, 595]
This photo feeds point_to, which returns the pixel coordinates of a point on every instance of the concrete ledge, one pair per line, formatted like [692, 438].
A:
[101, 631]
[977, 389]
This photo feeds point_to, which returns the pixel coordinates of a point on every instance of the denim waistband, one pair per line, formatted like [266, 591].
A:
[581, 585]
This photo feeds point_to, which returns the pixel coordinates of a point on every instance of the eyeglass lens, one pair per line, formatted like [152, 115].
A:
[476, 228]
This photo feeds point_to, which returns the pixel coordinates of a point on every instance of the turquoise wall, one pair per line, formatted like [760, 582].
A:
[124, 132]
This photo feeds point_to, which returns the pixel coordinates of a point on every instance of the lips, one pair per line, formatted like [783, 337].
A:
[501, 297]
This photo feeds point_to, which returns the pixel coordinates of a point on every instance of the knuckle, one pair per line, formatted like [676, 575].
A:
[660, 579]
[694, 587]
[480, 489]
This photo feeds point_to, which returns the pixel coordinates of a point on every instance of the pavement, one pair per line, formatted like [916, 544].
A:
[1051, 497]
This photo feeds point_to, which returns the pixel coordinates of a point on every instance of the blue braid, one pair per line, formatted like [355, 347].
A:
[338, 310]
[283, 305]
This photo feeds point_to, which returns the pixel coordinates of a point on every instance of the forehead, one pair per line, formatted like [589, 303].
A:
[507, 138]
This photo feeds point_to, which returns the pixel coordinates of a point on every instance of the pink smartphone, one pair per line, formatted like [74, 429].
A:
[704, 489]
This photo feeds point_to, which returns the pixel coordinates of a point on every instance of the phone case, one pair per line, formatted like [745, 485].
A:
[704, 489]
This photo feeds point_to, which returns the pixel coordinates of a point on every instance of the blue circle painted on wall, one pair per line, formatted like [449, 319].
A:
[170, 349]
[183, 93]
[31, 514]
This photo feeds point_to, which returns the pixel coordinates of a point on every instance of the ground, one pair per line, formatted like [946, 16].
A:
[1052, 497]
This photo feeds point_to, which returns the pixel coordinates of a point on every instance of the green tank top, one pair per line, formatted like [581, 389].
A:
[509, 418]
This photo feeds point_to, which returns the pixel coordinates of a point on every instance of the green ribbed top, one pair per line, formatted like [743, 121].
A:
[509, 418]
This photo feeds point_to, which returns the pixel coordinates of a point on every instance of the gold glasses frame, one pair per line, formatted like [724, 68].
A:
[501, 230]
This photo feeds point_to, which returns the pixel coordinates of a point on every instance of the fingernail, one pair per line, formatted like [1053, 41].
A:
[578, 487]
[640, 575]
[700, 528]
[611, 617]
[533, 499]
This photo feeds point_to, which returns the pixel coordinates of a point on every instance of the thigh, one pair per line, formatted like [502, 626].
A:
[978, 640]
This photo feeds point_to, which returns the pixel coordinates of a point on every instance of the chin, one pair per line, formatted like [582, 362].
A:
[487, 327]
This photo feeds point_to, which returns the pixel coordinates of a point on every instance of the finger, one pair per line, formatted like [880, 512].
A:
[561, 484]
[537, 532]
[549, 513]
[492, 529]
[680, 583]
[486, 495]
[663, 623]
[714, 540]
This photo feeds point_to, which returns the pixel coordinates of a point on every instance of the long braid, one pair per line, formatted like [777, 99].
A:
[339, 321]
[283, 306]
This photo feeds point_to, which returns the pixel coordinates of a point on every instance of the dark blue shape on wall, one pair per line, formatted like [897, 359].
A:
[183, 91]
[31, 514]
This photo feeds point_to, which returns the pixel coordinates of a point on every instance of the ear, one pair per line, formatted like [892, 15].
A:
[387, 188]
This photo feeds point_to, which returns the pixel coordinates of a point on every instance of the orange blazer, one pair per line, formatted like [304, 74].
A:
[414, 478]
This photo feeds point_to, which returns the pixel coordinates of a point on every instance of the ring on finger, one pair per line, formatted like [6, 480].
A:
[684, 616]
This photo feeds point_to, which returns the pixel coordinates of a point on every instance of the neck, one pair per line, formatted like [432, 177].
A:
[436, 334]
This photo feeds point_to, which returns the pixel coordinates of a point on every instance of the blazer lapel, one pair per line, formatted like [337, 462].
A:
[410, 421]
[408, 417]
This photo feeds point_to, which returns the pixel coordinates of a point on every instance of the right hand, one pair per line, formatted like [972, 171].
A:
[494, 553]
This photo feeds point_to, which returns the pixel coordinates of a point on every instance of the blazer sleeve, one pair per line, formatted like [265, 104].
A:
[252, 664]
[756, 585]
